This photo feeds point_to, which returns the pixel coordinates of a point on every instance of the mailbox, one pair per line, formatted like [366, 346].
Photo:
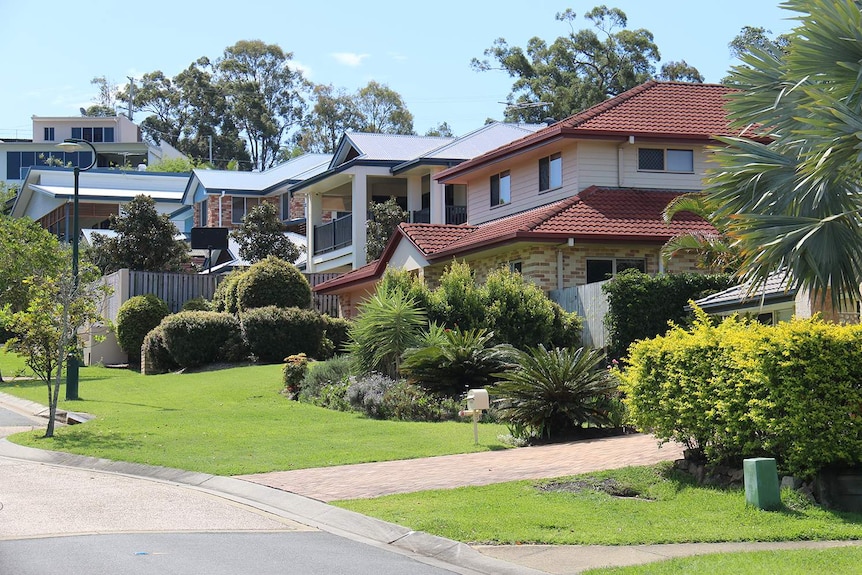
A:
[477, 399]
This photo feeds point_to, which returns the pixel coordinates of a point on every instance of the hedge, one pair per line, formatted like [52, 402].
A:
[196, 338]
[135, 318]
[273, 333]
[741, 389]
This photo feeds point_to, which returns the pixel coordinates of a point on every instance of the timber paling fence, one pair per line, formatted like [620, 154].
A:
[589, 302]
[177, 288]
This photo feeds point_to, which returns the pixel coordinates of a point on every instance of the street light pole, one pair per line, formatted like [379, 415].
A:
[71, 145]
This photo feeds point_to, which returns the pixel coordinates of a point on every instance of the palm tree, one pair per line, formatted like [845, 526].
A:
[716, 251]
[790, 194]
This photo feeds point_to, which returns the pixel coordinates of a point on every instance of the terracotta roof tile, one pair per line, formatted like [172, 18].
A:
[672, 110]
[430, 238]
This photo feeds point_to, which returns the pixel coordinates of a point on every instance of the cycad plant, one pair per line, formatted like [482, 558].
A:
[452, 361]
[555, 391]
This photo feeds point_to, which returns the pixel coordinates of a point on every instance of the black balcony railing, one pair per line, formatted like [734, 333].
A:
[454, 215]
[333, 235]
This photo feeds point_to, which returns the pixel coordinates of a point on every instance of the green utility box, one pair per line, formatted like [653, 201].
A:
[761, 483]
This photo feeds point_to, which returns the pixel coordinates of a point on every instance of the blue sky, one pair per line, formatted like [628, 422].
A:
[420, 49]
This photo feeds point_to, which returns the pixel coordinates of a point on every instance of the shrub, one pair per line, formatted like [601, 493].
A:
[387, 324]
[224, 298]
[740, 389]
[198, 304]
[401, 280]
[196, 338]
[135, 318]
[336, 334]
[520, 312]
[323, 373]
[455, 360]
[640, 306]
[155, 353]
[555, 391]
[406, 402]
[457, 302]
[272, 282]
[295, 368]
[272, 333]
[366, 393]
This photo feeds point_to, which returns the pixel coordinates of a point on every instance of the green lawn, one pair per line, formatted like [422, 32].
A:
[844, 560]
[669, 509]
[12, 365]
[232, 421]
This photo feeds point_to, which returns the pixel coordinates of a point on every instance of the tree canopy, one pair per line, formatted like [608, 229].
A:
[26, 251]
[261, 234]
[580, 69]
[144, 241]
[792, 196]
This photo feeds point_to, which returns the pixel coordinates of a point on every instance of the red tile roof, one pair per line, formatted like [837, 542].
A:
[595, 214]
[667, 110]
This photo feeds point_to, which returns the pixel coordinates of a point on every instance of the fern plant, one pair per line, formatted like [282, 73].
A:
[555, 391]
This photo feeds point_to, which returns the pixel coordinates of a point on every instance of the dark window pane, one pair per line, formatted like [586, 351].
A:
[76, 132]
[13, 165]
[87, 134]
[495, 190]
[599, 270]
[238, 209]
[97, 135]
[544, 174]
[650, 159]
[109, 135]
[626, 264]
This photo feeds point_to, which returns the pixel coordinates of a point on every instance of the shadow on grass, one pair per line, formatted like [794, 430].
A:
[89, 442]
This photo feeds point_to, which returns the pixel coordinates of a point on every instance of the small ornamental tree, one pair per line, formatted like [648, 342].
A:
[273, 281]
[135, 318]
[261, 234]
[383, 218]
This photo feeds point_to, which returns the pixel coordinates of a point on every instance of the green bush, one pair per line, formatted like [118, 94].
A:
[273, 281]
[452, 361]
[273, 333]
[458, 302]
[640, 305]
[324, 374]
[740, 389]
[406, 402]
[224, 298]
[403, 281]
[156, 353]
[135, 318]
[554, 392]
[366, 393]
[196, 338]
[336, 335]
[198, 304]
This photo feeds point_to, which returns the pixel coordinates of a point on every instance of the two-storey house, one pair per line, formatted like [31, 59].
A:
[574, 202]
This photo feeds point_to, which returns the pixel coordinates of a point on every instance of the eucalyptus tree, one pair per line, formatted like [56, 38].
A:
[791, 194]
[264, 96]
[383, 110]
[334, 112]
[577, 70]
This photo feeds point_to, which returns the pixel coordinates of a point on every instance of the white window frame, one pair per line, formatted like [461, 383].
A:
[553, 164]
[504, 188]
[670, 156]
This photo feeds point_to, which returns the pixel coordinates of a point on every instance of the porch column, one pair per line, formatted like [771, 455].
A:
[414, 194]
[438, 201]
[359, 190]
[314, 215]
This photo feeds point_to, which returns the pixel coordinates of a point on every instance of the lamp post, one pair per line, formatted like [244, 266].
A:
[72, 145]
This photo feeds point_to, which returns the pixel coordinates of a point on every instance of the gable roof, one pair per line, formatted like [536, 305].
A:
[778, 287]
[655, 110]
[384, 147]
[595, 214]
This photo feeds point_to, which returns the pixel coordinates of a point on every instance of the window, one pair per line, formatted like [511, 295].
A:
[49, 134]
[94, 134]
[17, 163]
[661, 160]
[501, 189]
[550, 172]
[600, 269]
[515, 267]
[285, 206]
[240, 207]
[204, 219]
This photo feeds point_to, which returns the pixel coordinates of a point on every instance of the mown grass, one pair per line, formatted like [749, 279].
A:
[845, 560]
[670, 508]
[12, 365]
[232, 421]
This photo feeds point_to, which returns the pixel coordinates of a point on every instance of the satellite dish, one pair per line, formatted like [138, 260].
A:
[83, 112]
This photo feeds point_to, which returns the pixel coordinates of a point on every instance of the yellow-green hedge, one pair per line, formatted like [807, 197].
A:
[740, 389]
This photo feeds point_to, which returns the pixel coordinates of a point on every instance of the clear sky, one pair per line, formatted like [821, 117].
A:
[421, 49]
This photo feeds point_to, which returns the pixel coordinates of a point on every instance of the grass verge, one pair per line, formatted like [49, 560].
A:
[631, 506]
[232, 421]
[847, 560]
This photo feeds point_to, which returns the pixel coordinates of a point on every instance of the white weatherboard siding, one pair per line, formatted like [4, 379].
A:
[597, 164]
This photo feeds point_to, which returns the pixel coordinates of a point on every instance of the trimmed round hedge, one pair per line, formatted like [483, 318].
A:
[273, 333]
[196, 338]
[272, 281]
[135, 318]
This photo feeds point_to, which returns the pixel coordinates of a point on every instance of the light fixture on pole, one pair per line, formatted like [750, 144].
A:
[73, 145]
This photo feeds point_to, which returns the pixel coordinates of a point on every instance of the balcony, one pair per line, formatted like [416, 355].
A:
[454, 215]
[333, 235]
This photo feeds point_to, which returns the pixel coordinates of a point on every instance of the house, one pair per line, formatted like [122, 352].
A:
[117, 141]
[371, 168]
[574, 202]
[777, 300]
[47, 193]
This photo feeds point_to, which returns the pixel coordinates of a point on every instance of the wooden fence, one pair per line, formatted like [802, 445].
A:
[589, 302]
